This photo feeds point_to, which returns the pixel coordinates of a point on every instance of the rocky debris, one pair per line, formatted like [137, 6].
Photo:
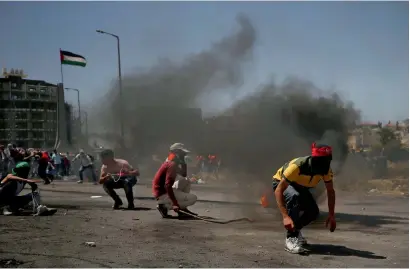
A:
[10, 263]
[90, 244]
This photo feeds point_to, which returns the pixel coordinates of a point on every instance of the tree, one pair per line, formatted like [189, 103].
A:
[386, 136]
[391, 146]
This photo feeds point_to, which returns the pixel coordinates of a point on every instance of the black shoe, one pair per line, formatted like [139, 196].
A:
[117, 205]
[163, 211]
[46, 182]
[131, 207]
[183, 215]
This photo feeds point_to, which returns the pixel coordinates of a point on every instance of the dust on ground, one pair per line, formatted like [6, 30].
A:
[369, 234]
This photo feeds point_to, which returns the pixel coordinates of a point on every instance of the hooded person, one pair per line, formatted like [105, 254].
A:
[291, 185]
[168, 194]
[13, 184]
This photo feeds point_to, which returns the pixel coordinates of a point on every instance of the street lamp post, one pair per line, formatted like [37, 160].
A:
[79, 106]
[86, 124]
[78, 100]
[119, 83]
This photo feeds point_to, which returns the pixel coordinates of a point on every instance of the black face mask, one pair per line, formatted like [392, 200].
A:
[321, 165]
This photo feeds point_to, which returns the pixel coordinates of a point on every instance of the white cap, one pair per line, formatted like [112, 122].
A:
[178, 146]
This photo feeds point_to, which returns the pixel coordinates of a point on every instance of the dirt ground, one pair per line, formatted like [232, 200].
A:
[372, 232]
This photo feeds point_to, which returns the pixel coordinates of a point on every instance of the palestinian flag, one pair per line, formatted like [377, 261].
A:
[70, 58]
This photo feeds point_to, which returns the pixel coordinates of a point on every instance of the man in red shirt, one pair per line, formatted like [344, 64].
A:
[42, 167]
[168, 197]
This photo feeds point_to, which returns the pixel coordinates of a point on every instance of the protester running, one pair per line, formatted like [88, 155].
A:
[86, 164]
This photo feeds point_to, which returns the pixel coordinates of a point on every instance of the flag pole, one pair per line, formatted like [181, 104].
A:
[61, 70]
[57, 141]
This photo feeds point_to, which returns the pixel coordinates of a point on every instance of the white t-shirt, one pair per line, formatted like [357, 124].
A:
[84, 159]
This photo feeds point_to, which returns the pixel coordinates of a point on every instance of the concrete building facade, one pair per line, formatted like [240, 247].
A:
[28, 111]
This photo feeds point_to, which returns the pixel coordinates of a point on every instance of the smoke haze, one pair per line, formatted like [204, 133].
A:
[254, 137]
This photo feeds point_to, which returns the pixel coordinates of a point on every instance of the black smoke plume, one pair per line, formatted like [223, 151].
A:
[253, 138]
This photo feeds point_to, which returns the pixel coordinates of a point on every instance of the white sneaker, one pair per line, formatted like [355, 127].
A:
[7, 212]
[42, 210]
[293, 245]
[301, 239]
[80, 182]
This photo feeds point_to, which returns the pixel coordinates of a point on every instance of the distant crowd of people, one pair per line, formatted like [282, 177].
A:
[19, 166]
[208, 164]
[44, 164]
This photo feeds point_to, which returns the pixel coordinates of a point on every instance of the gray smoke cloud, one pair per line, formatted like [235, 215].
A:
[254, 137]
[170, 84]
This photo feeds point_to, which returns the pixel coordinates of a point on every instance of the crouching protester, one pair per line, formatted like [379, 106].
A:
[12, 185]
[169, 193]
[291, 185]
[117, 174]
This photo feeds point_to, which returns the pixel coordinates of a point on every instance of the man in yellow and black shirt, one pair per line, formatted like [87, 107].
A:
[291, 184]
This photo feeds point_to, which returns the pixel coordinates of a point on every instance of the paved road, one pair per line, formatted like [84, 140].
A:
[372, 232]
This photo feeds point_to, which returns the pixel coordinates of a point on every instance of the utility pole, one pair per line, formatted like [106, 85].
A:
[119, 84]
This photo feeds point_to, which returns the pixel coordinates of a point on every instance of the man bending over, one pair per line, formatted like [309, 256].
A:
[12, 185]
[291, 185]
[117, 174]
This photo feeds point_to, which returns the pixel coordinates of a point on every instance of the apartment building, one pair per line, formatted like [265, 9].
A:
[28, 111]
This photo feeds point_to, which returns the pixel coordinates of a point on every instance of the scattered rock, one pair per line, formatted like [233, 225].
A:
[10, 263]
[90, 244]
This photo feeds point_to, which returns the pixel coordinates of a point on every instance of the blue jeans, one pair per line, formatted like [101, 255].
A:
[300, 205]
[83, 168]
[59, 169]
